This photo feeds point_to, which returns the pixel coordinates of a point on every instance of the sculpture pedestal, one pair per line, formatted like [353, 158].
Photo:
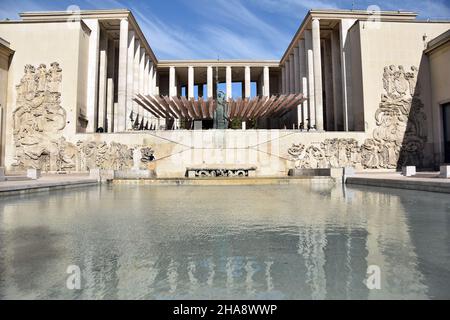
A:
[409, 171]
[198, 125]
[445, 172]
[34, 174]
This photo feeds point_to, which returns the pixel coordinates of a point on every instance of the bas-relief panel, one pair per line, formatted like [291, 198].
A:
[398, 139]
[39, 121]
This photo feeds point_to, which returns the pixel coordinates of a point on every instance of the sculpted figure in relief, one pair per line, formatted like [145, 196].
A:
[398, 139]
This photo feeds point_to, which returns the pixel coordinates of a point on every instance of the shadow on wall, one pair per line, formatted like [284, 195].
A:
[412, 106]
[400, 134]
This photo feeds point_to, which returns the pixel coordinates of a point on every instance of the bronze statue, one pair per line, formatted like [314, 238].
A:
[221, 113]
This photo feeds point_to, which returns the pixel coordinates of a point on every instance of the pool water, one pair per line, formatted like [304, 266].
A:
[226, 242]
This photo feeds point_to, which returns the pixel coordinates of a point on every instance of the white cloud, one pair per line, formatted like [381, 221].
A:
[229, 28]
[425, 9]
[173, 42]
[230, 45]
[11, 9]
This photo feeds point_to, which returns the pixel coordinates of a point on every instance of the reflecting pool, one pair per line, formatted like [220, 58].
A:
[235, 242]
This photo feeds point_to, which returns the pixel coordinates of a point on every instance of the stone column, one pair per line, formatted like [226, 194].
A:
[92, 80]
[346, 71]
[172, 90]
[155, 78]
[337, 81]
[122, 76]
[110, 104]
[297, 83]
[172, 79]
[291, 74]
[191, 81]
[151, 75]
[147, 75]
[136, 80]
[229, 83]
[328, 77]
[130, 78]
[283, 79]
[288, 76]
[304, 82]
[142, 77]
[310, 73]
[266, 82]
[317, 73]
[142, 82]
[209, 82]
[247, 82]
[102, 84]
[159, 123]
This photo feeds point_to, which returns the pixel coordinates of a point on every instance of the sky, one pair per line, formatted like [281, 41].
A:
[224, 29]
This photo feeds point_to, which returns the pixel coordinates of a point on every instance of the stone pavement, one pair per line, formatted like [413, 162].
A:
[21, 184]
[422, 181]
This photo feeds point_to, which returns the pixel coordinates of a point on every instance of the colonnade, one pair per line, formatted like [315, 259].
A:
[183, 74]
[118, 69]
[211, 82]
[315, 65]
[121, 65]
[137, 74]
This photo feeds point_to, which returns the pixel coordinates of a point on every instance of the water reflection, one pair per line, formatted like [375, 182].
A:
[258, 242]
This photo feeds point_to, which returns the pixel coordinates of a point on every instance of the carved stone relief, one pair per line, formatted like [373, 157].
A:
[100, 155]
[39, 118]
[220, 173]
[38, 121]
[398, 139]
[330, 153]
[147, 155]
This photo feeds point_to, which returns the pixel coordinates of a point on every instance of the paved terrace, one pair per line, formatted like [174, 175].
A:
[422, 181]
[15, 185]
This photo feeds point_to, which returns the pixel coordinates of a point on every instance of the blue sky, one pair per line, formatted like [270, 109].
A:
[230, 29]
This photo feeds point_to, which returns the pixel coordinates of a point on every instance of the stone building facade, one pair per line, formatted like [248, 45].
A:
[438, 53]
[71, 105]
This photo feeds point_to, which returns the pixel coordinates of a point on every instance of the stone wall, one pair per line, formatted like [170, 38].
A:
[47, 99]
[398, 139]
[40, 139]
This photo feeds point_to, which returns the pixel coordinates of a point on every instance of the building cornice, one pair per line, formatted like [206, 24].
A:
[438, 42]
[384, 16]
[115, 14]
[5, 50]
[217, 63]
[64, 15]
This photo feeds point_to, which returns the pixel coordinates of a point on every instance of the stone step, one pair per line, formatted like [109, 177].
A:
[17, 178]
